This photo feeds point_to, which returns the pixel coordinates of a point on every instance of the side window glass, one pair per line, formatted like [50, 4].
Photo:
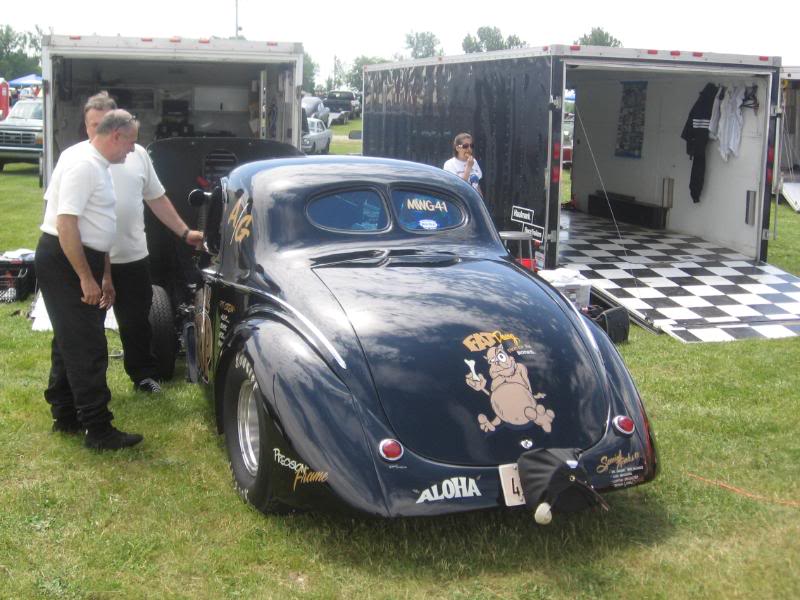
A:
[424, 211]
[361, 210]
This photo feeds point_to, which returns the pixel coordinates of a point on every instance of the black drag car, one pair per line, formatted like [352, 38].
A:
[370, 344]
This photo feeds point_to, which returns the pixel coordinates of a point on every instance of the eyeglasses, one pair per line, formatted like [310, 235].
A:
[466, 146]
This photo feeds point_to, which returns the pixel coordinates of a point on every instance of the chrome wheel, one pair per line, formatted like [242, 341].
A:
[248, 427]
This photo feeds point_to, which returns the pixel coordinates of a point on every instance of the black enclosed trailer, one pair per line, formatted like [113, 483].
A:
[628, 155]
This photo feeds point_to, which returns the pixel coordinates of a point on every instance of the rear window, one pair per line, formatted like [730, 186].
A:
[361, 210]
[27, 110]
[423, 211]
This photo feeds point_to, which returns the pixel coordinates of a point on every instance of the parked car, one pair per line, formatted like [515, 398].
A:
[318, 139]
[340, 103]
[316, 109]
[369, 344]
[21, 133]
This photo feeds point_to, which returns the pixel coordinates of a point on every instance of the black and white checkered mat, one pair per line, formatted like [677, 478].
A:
[694, 290]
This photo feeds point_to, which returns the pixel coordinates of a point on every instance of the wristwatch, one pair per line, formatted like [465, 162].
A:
[185, 234]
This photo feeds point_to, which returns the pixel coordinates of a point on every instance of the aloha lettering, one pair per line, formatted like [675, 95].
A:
[618, 460]
[426, 205]
[455, 487]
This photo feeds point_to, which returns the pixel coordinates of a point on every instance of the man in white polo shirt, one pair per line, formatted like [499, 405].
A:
[135, 182]
[73, 273]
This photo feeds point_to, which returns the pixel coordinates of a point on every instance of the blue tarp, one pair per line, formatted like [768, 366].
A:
[32, 79]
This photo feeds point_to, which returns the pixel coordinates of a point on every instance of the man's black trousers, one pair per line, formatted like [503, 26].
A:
[79, 353]
[134, 292]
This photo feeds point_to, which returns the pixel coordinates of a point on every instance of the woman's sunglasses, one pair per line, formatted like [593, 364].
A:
[466, 146]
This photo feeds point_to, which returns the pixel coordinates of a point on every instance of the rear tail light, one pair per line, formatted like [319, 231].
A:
[390, 450]
[624, 424]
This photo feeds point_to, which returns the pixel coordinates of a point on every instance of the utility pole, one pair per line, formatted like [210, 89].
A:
[238, 29]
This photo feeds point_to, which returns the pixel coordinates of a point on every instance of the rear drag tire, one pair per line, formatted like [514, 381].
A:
[247, 437]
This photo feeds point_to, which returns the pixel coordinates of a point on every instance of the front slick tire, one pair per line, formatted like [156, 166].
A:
[247, 437]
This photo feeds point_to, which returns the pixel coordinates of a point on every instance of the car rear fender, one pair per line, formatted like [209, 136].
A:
[314, 413]
[639, 448]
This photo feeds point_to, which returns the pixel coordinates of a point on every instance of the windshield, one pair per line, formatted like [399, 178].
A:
[26, 110]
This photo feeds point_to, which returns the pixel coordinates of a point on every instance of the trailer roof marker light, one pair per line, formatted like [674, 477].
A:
[763, 58]
[652, 51]
[74, 37]
[675, 53]
[624, 424]
[574, 47]
[697, 54]
[272, 43]
[147, 39]
[391, 450]
[204, 41]
[175, 39]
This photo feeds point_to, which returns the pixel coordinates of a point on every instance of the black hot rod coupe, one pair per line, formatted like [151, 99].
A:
[369, 343]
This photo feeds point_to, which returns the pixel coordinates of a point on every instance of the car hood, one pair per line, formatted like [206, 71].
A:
[422, 320]
[27, 123]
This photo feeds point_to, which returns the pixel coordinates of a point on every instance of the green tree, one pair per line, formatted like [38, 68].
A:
[309, 72]
[20, 53]
[488, 39]
[355, 77]
[423, 44]
[599, 37]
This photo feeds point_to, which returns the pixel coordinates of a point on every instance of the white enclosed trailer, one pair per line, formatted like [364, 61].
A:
[174, 86]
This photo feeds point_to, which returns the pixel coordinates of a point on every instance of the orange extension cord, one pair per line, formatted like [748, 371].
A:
[745, 493]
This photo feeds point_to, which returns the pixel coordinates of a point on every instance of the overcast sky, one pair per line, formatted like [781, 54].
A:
[353, 28]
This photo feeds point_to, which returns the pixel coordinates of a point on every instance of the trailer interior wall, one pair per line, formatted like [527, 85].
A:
[223, 97]
[720, 214]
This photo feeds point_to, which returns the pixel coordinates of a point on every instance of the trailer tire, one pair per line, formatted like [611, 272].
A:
[327, 148]
[163, 342]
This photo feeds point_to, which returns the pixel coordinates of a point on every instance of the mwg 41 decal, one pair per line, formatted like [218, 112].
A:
[510, 393]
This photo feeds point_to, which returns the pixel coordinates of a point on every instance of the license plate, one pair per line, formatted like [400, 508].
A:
[512, 489]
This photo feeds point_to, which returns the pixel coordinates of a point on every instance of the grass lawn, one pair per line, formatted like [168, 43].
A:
[341, 144]
[162, 520]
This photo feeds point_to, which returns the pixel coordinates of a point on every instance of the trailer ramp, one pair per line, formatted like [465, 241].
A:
[691, 289]
[791, 193]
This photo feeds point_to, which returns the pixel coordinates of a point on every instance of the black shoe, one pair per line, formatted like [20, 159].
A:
[148, 385]
[68, 426]
[111, 438]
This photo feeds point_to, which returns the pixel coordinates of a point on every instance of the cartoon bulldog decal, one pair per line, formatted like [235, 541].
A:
[511, 396]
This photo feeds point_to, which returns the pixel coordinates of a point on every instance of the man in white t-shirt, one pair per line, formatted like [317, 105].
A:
[135, 182]
[74, 276]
